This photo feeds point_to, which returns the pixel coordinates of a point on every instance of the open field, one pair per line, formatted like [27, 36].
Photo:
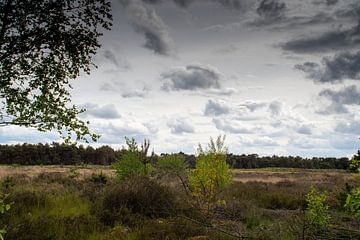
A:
[265, 175]
[88, 203]
[34, 171]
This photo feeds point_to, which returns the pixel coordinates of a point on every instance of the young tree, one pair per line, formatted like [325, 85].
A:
[317, 215]
[354, 165]
[134, 161]
[44, 45]
[174, 165]
[211, 175]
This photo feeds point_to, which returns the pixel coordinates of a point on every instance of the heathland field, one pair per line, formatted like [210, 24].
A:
[88, 202]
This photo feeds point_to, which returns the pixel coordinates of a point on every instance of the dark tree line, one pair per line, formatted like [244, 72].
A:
[255, 161]
[56, 154]
[64, 154]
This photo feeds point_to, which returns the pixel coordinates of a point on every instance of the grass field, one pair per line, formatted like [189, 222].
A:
[266, 175]
[86, 202]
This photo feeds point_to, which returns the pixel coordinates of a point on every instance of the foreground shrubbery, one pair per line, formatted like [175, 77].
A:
[60, 207]
[166, 199]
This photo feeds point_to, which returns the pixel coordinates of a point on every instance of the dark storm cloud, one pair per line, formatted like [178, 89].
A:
[216, 108]
[191, 77]
[351, 11]
[340, 99]
[331, 2]
[271, 10]
[180, 126]
[238, 5]
[146, 22]
[342, 66]
[183, 3]
[180, 3]
[328, 41]
[104, 112]
[152, 1]
[326, 2]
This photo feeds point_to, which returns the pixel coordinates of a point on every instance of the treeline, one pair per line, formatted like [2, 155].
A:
[255, 161]
[57, 154]
[63, 154]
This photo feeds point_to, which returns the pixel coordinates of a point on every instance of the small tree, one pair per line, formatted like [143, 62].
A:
[211, 175]
[354, 165]
[133, 161]
[317, 216]
[174, 165]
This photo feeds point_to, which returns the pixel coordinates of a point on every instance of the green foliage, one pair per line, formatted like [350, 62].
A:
[173, 165]
[211, 175]
[4, 207]
[43, 46]
[317, 215]
[133, 161]
[216, 147]
[129, 165]
[354, 165]
[353, 202]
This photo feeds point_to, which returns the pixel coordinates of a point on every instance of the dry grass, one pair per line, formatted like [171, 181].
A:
[34, 171]
[265, 175]
[276, 175]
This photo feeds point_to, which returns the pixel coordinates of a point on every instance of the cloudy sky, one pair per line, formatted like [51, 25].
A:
[276, 76]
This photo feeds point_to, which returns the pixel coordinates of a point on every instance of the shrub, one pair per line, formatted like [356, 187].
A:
[129, 165]
[7, 183]
[173, 165]
[354, 165]
[46, 227]
[133, 162]
[353, 202]
[99, 178]
[4, 207]
[139, 196]
[317, 215]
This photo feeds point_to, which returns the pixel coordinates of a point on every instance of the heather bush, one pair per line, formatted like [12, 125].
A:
[137, 196]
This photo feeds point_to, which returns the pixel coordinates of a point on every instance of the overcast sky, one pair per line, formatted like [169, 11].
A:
[276, 76]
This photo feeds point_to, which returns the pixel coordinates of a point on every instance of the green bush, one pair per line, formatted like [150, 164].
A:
[317, 209]
[354, 165]
[353, 202]
[138, 196]
[134, 161]
[173, 165]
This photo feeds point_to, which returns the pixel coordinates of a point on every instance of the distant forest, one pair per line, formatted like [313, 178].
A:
[62, 154]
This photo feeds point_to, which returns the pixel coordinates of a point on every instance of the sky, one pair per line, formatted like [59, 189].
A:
[276, 76]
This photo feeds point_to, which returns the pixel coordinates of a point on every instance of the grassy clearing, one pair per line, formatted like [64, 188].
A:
[53, 204]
